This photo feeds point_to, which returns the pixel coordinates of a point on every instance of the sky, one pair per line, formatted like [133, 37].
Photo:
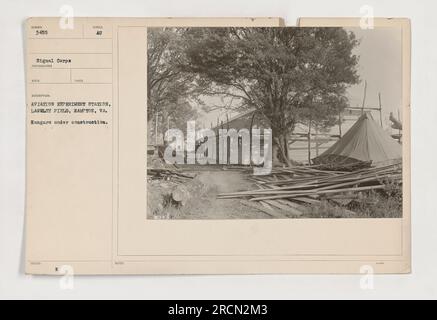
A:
[379, 64]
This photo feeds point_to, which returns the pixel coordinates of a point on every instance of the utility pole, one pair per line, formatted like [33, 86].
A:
[364, 97]
[156, 129]
[399, 130]
[380, 108]
[309, 142]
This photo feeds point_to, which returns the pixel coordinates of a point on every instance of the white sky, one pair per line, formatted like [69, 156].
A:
[381, 65]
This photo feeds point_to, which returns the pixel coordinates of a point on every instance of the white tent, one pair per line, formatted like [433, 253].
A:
[365, 141]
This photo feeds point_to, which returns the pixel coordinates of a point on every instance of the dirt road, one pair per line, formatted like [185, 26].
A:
[209, 207]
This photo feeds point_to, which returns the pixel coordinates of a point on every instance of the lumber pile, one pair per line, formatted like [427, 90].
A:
[293, 189]
[168, 174]
[341, 166]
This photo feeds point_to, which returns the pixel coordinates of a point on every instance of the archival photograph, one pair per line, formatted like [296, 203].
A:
[274, 123]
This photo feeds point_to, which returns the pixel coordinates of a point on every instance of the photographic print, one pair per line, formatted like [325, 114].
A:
[274, 123]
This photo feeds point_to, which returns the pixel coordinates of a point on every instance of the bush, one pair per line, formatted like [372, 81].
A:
[378, 203]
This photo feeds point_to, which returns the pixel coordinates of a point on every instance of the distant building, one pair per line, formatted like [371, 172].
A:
[249, 120]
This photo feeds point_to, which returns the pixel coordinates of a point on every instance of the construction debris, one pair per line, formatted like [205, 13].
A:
[168, 174]
[293, 189]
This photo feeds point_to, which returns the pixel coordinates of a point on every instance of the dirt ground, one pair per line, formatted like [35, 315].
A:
[222, 181]
[205, 205]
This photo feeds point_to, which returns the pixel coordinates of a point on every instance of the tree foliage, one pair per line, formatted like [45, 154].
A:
[170, 90]
[290, 75]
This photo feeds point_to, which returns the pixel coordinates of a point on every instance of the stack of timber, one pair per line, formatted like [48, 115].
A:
[168, 174]
[338, 166]
[294, 189]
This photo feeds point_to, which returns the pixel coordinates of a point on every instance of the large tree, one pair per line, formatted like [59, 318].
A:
[289, 75]
[171, 91]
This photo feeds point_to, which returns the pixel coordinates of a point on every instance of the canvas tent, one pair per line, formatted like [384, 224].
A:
[365, 141]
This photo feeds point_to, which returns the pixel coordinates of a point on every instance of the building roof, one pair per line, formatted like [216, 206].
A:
[243, 121]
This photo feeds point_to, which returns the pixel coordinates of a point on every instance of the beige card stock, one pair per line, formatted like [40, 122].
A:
[86, 169]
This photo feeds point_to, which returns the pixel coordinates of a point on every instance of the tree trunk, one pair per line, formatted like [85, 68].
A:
[279, 150]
